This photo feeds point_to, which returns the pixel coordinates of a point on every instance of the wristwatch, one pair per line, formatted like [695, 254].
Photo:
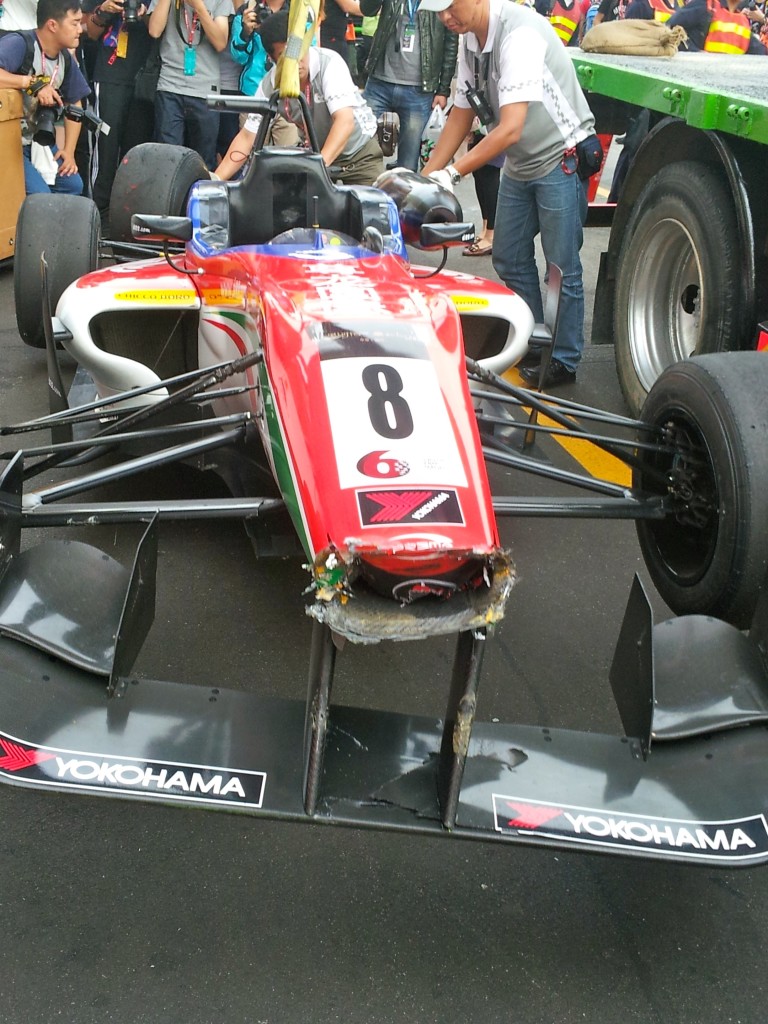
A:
[453, 174]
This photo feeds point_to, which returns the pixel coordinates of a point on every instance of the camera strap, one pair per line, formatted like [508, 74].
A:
[481, 70]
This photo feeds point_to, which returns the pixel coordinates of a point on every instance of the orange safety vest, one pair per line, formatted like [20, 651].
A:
[565, 19]
[661, 9]
[728, 32]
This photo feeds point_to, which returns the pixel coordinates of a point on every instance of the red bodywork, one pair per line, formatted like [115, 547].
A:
[365, 367]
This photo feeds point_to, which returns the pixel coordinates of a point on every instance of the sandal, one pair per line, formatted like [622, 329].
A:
[479, 248]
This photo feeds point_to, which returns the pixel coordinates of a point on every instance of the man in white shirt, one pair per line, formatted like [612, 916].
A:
[344, 123]
[516, 75]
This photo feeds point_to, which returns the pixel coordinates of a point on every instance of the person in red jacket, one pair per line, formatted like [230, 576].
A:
[717, 26]
[565, 18]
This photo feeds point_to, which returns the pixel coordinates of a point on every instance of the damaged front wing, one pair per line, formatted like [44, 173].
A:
[686, 782]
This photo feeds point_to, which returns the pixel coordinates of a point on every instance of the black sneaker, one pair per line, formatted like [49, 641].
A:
[531, 358]
[556, 375]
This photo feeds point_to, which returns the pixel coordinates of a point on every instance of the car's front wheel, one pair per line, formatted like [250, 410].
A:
[709, 556]
[65, 228]
[152, 178]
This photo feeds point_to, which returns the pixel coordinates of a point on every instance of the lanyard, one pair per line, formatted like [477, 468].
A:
[191, 28]
[412, 5]
[188, 39]
[54, 65]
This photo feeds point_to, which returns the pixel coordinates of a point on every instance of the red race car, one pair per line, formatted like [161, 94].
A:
[283, 334]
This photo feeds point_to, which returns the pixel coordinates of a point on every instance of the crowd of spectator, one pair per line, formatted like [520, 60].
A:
[405, 60]
[145, 68]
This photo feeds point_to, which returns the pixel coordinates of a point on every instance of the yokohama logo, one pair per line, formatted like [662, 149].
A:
[737, 839]
[51, 766]
[16, 758]
[409, 506]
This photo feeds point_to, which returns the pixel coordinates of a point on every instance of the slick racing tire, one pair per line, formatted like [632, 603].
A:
[709, 556]
[66, 229]
[152, 178]
[678, 290]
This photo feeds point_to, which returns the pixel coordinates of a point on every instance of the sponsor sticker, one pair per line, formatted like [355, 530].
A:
[733, 839]
[157, 297]
[222, 297]
[367, 338]
[104, 773]
[393, 406]
[466, 302]
[414, 506]
[382, 466]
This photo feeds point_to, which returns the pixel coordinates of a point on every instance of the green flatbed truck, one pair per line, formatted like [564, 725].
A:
[686, 269]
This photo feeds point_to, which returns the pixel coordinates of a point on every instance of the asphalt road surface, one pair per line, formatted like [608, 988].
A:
[123, 912]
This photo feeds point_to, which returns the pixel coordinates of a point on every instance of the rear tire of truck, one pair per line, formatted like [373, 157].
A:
[66, 229]
[709, 556]
[678, 282]
[152, 178]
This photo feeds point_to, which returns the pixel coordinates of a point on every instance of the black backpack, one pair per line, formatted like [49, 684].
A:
[30, 38]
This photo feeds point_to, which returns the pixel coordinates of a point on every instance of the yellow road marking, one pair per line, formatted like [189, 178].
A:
[598, 463]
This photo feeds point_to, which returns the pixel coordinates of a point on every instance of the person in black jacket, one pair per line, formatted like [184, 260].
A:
[410, 68]
[121, 50]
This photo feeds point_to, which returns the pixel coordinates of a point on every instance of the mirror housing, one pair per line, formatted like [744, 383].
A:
[440, 236]
[146, 227]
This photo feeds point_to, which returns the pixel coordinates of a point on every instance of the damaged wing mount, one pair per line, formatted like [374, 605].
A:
[688, 676]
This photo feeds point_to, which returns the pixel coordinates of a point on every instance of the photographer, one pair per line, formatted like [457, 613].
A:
[410, 68]
[38, 63]
[516, 76]
[246, 47]
[122, 46]
[192, 34]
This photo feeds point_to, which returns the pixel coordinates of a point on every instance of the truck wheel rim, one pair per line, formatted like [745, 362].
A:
[665, 300]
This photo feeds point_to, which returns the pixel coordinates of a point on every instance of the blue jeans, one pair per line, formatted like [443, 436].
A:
[35, 183]
[185, 117]
[554, 206]
[412, 106]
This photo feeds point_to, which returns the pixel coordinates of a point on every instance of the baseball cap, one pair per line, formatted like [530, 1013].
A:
[435, 5]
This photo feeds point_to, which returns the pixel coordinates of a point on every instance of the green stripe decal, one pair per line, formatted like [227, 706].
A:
[282, 463]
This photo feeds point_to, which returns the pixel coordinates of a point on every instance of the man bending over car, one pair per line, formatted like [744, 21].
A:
[515, 75]
[39, 64]
[345, 125]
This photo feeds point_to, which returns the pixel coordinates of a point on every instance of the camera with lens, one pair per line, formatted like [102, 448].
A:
[86, 117]
[263, 11]
[480, 105]
[131, 12]
[45, 130]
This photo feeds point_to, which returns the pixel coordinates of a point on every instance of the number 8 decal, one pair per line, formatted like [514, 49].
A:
[388, 410]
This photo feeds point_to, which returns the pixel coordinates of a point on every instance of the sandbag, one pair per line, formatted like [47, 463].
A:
[633, 36]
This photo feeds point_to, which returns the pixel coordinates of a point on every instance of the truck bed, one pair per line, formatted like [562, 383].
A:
[710, 91]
